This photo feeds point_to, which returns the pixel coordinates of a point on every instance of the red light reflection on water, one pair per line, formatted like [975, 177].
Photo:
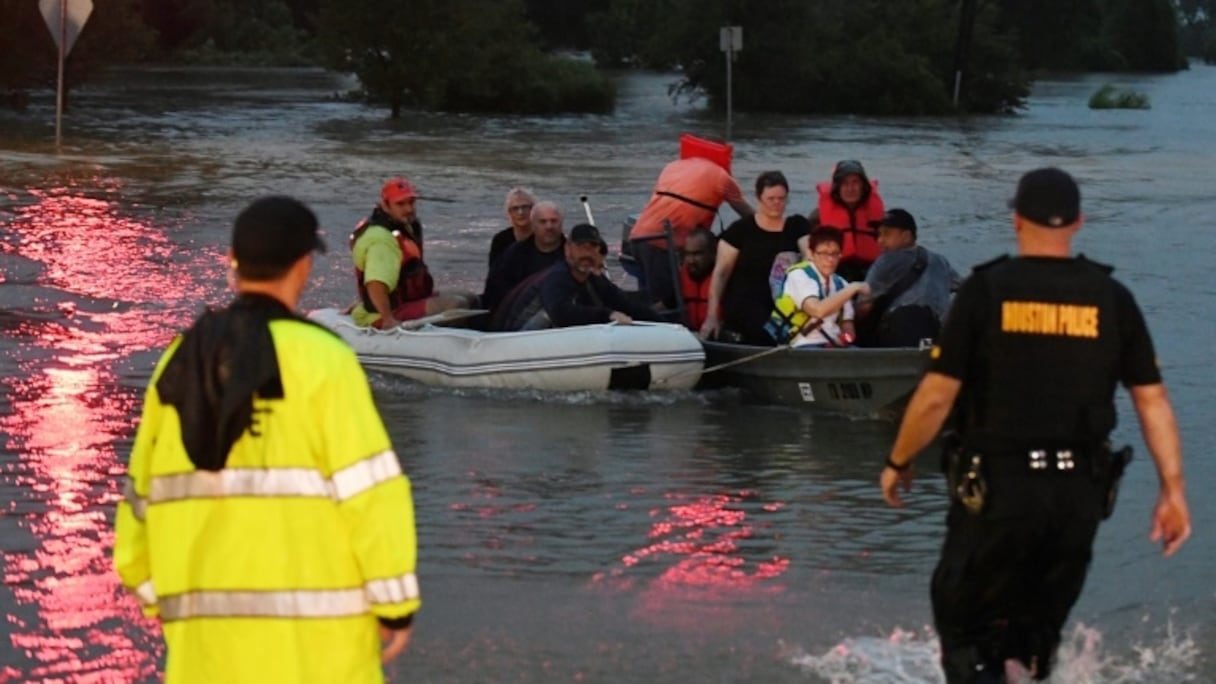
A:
[697, 542]
[104, 292]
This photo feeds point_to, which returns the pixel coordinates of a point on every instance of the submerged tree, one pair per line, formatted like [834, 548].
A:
[854, 56]
[454, 55]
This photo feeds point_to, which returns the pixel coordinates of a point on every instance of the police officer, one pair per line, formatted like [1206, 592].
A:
[1029, 359]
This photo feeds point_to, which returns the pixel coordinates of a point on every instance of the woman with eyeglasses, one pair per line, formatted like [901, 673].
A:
[816, 303]
[518, 205]
[740, 297]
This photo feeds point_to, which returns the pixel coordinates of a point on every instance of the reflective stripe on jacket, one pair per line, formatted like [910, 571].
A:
[276, 567]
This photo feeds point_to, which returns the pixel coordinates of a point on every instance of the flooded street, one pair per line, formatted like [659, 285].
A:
[596, 538]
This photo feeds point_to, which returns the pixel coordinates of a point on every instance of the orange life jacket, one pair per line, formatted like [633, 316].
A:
[860, 238]
[696, 298]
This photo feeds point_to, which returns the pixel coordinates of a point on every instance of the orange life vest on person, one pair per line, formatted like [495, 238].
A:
[860, 238]
[696, 298]
[414, 282]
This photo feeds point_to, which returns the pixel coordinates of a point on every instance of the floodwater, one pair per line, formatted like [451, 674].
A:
[592, 538]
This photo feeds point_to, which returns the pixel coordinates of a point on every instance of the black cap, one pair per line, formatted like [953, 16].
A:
[585, 233]
[1048, 197]
[274, 232]
[898, 218]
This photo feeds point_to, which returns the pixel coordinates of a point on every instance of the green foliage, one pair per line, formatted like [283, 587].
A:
[458, 55]
[830, 56]
[1142, 35]
[1056, 34]
[1209, 50]
[27, 55]
[114, 34]
[1109, 97]
[244, 32]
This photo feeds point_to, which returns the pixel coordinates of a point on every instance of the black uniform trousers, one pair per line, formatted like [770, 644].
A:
[1009, 576]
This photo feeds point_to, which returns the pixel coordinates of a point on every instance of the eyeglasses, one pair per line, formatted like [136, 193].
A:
[828, 255]
[520, 208]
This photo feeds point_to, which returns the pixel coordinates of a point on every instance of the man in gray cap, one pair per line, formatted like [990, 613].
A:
[1029, 360]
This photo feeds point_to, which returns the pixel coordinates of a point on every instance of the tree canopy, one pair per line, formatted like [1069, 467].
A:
[466, 55]
[830, 56]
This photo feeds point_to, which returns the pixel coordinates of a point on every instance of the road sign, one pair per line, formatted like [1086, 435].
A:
[730, 38]
[65, 19]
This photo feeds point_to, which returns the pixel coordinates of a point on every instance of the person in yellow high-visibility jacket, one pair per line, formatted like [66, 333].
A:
[265, 520]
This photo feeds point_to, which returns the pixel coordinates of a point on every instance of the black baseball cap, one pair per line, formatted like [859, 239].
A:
[1048, 197]
[898, 218]
[274, 232]
[585, 233]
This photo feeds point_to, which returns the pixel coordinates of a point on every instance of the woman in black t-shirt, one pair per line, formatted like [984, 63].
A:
[740, 297]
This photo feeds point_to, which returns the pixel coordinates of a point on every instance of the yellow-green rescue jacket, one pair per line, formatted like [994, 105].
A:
[276, 567]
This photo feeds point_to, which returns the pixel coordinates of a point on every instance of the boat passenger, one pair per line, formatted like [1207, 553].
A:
[740, 298]
[814, 293]
[533, 254]
[686, 195]
[851, 203]
[393, 281]
[696, 271]
[576, 292]
[518, 205]
[910, 288]
[265, 521]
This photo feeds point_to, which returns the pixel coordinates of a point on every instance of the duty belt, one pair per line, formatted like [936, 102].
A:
[1044, 459]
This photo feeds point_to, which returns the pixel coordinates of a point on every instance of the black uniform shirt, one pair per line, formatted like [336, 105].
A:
[1039, 344]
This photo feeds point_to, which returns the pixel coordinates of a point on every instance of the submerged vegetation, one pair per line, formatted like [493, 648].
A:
[1109, 97]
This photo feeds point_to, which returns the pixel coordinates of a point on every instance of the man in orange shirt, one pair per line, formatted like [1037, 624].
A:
[687, 194]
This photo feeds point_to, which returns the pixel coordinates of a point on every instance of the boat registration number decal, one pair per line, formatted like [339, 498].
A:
[850, 390]
[808, 394]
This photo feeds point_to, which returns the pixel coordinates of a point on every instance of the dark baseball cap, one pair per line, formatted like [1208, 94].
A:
[1048, 197]
[585, 233]
[898, 218]
[274, 232]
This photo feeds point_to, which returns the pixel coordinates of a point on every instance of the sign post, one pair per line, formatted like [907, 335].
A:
[65, 19]
[730, 40]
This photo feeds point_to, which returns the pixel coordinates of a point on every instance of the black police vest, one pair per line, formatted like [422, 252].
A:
[1047, 362]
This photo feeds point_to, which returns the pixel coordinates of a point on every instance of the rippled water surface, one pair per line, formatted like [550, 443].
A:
[582, 537]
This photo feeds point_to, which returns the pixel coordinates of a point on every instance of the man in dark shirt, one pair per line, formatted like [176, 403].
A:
[910, 288]
[535, 253]
[575, 291]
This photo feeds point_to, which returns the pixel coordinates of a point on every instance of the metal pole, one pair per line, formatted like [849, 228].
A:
[63, 41]
[730, 57]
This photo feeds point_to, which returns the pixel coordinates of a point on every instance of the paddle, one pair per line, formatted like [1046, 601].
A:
[808, 327]
[441, 317]
[587, 208]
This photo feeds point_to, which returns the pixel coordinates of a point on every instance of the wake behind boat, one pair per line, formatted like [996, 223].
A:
[654, 356]
[857, 381]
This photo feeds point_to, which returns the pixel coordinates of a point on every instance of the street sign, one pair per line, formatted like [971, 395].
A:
[730, 38]
[65, 27]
